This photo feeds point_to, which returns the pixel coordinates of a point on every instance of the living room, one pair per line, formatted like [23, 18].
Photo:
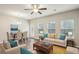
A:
[27, 27]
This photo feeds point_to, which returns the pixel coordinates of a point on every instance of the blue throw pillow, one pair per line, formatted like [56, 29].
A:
[24, 51]
[62, 37]
[45, 35]
[13, 43]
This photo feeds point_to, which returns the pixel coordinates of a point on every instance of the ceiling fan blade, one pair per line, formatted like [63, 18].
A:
[42, 8]
[27, 9]
[39, 12]
[32, 13]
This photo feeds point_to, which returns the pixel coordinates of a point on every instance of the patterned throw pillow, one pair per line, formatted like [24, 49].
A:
[52, 36]
[6, 44]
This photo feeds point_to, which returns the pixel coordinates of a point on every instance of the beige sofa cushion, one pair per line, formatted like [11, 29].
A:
[57, 41]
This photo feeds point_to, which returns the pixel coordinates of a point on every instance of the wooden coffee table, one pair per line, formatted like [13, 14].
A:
[38, 46]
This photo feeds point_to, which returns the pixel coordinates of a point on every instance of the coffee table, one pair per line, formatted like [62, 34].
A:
[38, 46]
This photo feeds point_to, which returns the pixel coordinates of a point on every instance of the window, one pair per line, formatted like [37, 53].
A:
[51, 27]
[41, 28]
[67, 26]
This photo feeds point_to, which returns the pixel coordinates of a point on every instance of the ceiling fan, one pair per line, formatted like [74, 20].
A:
[35, 8]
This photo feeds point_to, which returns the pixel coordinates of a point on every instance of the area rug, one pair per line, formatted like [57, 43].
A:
[58, 50]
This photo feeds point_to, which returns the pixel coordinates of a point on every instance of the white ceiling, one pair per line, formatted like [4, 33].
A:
[18, 9]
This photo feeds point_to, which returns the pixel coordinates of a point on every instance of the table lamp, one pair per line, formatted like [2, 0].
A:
[41, 32]
[70, 34]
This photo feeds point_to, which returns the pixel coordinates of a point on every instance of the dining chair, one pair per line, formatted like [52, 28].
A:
[25, 37]
[19, 37]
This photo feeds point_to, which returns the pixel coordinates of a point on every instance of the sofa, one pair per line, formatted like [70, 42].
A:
[5, 48]
[15, 50]
[57, 39]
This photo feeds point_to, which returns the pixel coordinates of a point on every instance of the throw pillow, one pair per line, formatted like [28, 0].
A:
[13, 43]
[45, 35]
[24, 51]
[6, 44]
[62, 37]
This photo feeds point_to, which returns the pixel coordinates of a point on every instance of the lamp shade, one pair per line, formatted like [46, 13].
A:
[69, 33]
[41, 32]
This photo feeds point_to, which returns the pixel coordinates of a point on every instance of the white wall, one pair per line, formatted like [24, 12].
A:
[5, 22]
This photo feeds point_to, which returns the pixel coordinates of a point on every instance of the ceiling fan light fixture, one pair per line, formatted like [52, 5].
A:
[35, 10]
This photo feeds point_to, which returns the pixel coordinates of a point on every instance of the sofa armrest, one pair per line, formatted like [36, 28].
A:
[15, 50]
[22, 46]
[65, 41]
